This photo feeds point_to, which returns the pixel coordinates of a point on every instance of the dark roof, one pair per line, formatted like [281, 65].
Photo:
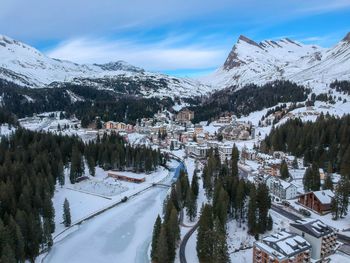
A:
[314, 227]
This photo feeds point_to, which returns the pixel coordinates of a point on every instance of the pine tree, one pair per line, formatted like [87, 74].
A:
[66, 213]
[345, 164]
[47, 237]
[234, 161]
[252, 207]
[156, 232]
[240, 201]
[7, 255]
[191, 205]
[162, 252]
[308, 180]
[316, 178]
[269, 223]
[328, 183]
[173, 233]
[295, 163]
[342, 193]
[194, 184]
[204, 237]
[335, 207]
[220, 205]
[61, 178]
[91, 165]
[284, 170]
[264, 204]
[220, 248]
[77, 165]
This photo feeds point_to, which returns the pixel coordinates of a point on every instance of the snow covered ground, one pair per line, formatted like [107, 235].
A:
[341, 225]
[123, 232]
[49, 124]
[6, 130]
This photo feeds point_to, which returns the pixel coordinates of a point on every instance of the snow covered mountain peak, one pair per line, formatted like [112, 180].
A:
[26, 66]
[119, 65]
[347, 38]
[269, 60]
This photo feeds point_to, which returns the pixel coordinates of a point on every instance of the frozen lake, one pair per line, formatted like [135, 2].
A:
[122, 234]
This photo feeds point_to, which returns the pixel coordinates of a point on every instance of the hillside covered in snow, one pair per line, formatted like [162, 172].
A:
[285, 59]
[28, 67]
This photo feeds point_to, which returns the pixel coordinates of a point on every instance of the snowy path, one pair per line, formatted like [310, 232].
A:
[121, 235]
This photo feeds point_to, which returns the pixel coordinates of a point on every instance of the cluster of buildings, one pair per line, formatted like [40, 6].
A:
[306, 241]
[166, 129]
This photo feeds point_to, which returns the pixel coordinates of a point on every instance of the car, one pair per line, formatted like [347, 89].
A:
[304, 212]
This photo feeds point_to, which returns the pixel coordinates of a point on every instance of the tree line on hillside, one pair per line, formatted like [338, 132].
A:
[112, 152]
[341, 86]
[247, 99]
[7, 117]
[30, 165]
[325, 142]
[88, 102]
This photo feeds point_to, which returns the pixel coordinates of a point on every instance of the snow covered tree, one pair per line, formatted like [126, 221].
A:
[66, 213]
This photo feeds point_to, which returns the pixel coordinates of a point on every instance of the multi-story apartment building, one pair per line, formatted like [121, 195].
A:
[283, 247]
[322, 238]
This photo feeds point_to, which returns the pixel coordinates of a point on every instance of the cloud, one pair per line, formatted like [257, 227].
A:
[325, 6]
[64, 19]
[165, 55]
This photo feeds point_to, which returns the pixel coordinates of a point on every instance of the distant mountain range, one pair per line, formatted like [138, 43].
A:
[26, 66]
[285, 59]
[248, 62]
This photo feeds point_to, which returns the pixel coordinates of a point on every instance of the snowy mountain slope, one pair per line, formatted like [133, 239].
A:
[26, 66]
[259, 63]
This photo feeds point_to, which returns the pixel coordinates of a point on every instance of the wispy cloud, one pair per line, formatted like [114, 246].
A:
[164, 55]
[324, 6]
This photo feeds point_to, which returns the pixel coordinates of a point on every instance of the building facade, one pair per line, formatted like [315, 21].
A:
[321, 237]
[283, 247]
[281, 188]
[318, 201]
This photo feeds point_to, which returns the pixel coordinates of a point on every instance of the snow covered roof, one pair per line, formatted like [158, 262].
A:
[324, 196]
[127, 174]
[283, 245]
[314, 227]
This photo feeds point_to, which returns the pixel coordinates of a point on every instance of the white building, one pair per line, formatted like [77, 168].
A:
[225, 151]
[281, 188]
[322, 238]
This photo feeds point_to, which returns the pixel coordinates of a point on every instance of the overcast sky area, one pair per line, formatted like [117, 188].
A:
[180, 37]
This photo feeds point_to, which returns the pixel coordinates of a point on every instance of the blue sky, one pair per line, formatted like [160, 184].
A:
[181, 37]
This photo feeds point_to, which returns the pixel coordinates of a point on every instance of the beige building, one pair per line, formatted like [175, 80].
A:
[184, 116]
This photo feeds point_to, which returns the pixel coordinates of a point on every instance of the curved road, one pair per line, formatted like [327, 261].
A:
[183, 244]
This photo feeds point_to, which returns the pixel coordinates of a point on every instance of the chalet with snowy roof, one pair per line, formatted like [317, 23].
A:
[280, 188]
[282, 247]
[321, 237]
[318, 201]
